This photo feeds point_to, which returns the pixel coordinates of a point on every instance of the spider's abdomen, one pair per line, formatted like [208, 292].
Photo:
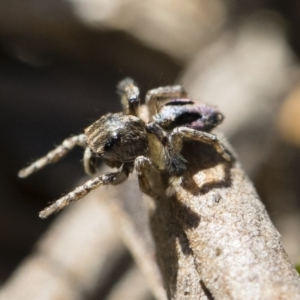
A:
[187, 113]
[117, 137]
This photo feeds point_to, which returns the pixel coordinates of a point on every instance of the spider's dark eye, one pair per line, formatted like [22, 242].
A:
[112, 141]
[133, 99]
[186, 118]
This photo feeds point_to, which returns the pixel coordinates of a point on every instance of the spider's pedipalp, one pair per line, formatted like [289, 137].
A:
[142, 166]
[89, 162]
[114, 178]
[53, 156]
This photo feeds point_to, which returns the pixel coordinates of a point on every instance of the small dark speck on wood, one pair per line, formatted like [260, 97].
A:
[214, 238]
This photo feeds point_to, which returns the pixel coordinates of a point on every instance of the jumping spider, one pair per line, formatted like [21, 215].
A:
[125, 141]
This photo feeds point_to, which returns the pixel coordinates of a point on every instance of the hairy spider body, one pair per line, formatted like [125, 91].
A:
[117, 137]
[125, 141]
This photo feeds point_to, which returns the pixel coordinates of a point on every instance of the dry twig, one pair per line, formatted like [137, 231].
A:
[217, 226]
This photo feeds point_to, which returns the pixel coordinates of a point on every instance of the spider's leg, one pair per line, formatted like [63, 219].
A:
[162, 152]
[130, 96]
[156, 98]
[143, 166]
[53, 156]
[183, 132]
[89, 162]
[114, 178]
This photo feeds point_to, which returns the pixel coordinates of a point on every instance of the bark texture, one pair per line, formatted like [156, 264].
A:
[216, 231]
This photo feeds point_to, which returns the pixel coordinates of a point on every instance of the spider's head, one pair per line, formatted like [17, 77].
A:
[184, 112]
[117, 137]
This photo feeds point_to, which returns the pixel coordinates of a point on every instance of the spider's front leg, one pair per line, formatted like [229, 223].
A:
[156, 98]
[53, 156]
[113, 178]
[130, 96]
[183, 132]
[162, 153]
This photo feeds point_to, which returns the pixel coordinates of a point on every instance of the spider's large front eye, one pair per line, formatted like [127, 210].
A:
[112, 141]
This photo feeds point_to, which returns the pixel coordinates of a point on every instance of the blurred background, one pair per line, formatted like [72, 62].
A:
[59, 65]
